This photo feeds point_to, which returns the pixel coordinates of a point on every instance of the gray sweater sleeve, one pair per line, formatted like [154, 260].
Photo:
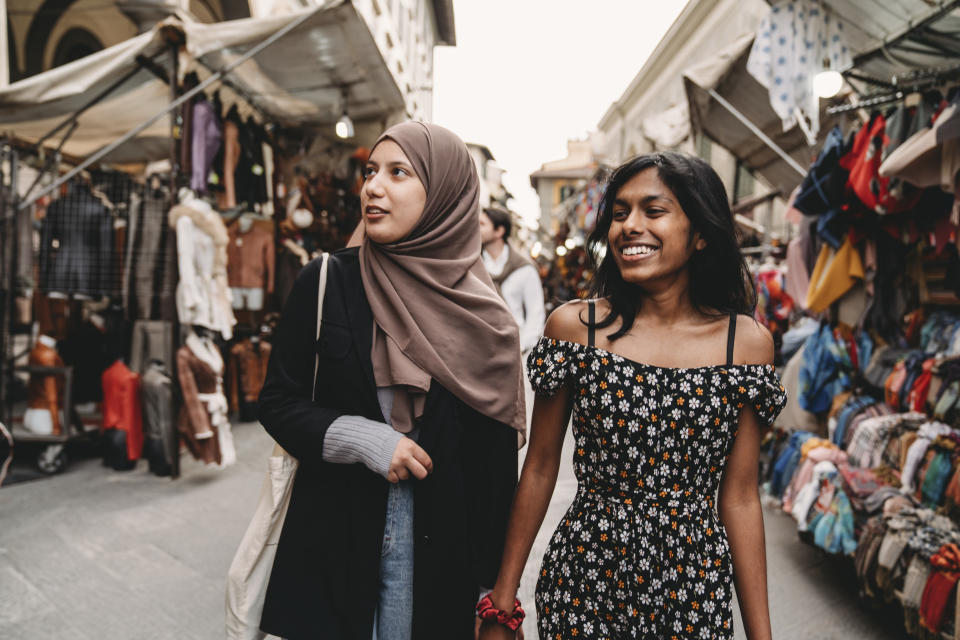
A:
[351, 439]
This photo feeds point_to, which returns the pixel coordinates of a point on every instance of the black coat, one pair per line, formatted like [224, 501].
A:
[76, 247]
[325, 578]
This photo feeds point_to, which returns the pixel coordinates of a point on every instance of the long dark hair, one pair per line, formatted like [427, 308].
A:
[720, 282]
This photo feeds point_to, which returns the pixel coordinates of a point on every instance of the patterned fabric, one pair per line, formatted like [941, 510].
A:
[641, 552]
[791, 43]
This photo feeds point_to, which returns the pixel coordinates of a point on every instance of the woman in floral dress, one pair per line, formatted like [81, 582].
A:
[670, 384]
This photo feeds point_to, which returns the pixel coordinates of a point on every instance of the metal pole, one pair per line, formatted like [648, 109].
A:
[176, 103]
[175, 120]
[10, 214]
[175, 132]
[757, 132]
[100, 96]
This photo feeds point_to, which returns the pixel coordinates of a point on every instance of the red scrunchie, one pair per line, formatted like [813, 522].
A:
[512, 621]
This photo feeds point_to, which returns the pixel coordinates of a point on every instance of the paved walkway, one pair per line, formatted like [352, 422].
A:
[94, 554]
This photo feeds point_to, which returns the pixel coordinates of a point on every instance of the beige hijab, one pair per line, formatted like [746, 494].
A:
[437, 314]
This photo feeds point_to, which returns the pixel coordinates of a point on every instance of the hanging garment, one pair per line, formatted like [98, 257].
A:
[938, 473]
[44, 390]
[797, 277]
[150, 266]
[938, 591]
[807, 496]
[863, 161]
[203, 297]
[86, 350]
[250, 174]
[152, 340]
[250, 259]
[122, 407]
[786, 463]
[203, 422]
[76, 247]
[156, 388]
[833, 275]
[829, 359]
[776, 307]
[793, 40]
[925, 435]
[794, 417]
[246, 373]
[822, 189]
[930, 157]
[804, 474]
[231, 157]
[205, 143]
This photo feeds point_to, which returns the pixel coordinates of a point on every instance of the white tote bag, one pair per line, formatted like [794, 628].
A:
[250, 570]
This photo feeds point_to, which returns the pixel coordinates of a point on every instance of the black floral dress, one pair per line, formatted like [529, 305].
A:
[641, 552]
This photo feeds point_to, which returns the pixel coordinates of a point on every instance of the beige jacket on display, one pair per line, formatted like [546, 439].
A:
[203, 297]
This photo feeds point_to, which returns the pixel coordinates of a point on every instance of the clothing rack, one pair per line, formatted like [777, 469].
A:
[899, 87]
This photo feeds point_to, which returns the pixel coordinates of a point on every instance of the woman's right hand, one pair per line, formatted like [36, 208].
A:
[409, 459]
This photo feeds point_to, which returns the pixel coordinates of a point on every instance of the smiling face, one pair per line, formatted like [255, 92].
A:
[392, 197]
[650, 234]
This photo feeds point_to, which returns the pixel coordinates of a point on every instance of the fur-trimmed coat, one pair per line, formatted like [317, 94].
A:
[203, 297]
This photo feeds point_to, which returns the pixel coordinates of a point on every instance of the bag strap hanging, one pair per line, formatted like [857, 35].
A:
[321, 291]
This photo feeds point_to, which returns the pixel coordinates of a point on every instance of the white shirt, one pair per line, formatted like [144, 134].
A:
[523, 293]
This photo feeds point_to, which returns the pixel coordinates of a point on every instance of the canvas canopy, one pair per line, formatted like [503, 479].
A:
[298, 81]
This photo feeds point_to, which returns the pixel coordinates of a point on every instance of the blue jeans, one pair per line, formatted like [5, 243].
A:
[393, 618]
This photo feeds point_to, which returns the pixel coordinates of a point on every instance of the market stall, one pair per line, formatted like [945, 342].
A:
[867, 299]
[159, 198]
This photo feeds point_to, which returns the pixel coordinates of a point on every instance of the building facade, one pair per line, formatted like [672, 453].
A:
[652, 112]
[47, 34]
[492, 191]
[558, 180]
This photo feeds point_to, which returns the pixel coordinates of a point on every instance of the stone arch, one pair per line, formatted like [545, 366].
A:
[39, 32]
[12, 61]
[75, 44]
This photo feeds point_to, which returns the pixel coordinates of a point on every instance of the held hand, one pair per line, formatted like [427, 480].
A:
[409, 459]
[490, 630]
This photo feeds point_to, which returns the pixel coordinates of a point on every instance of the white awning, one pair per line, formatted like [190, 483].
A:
[889, 38]
[725, 79]
[297, 81]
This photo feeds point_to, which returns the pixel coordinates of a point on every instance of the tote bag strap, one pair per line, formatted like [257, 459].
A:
[322, 289]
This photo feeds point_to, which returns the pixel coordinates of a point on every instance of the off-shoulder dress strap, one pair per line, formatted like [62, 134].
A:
[591, 318]
[731, 336]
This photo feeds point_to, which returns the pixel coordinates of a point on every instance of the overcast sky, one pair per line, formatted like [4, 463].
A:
[526, 75]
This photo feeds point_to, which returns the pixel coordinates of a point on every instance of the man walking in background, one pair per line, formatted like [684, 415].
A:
[516, 278]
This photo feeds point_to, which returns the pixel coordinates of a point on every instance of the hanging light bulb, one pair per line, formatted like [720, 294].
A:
[345, 127]
[827, 83]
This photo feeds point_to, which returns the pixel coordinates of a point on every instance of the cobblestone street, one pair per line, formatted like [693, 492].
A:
[99, 555]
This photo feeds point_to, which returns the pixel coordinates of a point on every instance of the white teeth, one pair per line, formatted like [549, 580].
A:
[638, 251]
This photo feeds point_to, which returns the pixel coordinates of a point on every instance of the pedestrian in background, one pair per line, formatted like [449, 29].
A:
[408, 456]
[670, 383]
[517, 280]
[514, 274]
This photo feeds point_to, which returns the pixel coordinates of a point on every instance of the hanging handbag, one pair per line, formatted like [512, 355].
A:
[250, 570]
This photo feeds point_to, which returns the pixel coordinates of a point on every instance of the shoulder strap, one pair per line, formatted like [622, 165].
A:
[731, 335]
[591, 318]
[321, 290]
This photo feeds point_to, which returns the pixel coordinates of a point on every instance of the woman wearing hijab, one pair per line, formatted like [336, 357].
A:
[408, 454]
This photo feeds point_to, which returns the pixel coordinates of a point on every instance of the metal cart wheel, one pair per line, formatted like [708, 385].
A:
[53, 459]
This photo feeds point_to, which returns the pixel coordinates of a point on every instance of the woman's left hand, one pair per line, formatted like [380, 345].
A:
[489, 630]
